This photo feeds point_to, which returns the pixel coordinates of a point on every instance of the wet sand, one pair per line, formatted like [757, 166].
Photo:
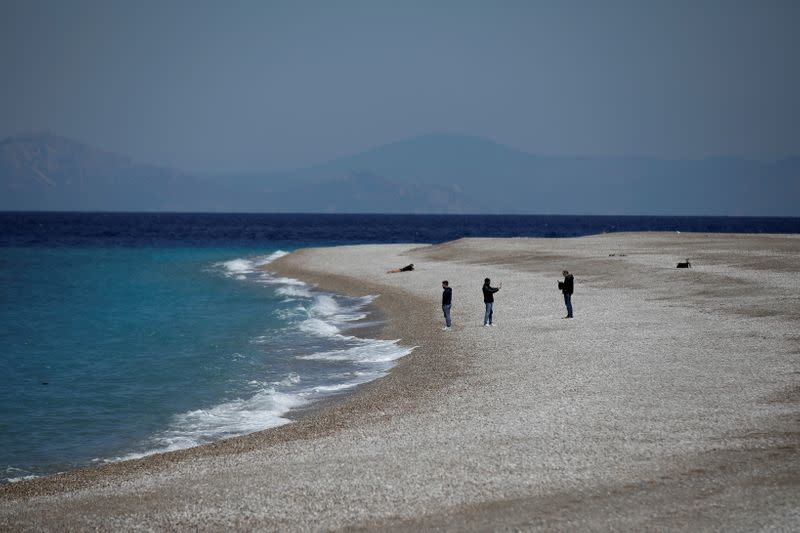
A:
[672, 400]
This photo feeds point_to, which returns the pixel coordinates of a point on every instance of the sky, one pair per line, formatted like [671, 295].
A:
[215, 86]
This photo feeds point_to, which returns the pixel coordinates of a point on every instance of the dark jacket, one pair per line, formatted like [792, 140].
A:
[488, 293]
[568, 285]
[447, 296]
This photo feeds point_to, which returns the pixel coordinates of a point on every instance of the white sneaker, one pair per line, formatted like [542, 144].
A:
[485, 325]
[446, 328]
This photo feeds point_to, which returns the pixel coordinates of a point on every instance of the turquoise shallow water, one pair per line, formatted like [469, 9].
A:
[117, 352]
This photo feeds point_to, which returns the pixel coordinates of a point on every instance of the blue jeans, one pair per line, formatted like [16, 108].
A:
[446, 310]
[487, 318]
[568, 303]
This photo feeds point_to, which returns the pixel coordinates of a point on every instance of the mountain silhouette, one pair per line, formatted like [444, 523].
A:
[48, 172]
[428, 174]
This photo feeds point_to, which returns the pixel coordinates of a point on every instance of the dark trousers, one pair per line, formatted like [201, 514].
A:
[487, 317]
[568, 303]
[446, 311]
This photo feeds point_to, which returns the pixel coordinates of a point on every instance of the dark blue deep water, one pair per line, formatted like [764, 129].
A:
[123, 229]
[128, 334]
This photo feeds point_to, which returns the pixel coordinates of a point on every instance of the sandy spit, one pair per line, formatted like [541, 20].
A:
[672, 400]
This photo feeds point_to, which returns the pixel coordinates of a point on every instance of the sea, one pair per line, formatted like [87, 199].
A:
[128, 334]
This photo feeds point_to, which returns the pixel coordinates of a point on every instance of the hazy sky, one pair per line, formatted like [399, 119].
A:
[214, 86]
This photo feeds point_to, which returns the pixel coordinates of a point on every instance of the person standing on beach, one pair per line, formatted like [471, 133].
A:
[447, 300]
[567, 287]
[488, 300]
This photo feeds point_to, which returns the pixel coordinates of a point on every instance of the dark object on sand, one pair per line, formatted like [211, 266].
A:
[407, 268]
[685, 264]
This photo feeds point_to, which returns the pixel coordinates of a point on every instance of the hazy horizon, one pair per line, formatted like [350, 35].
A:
[267, 86]
[371, 148]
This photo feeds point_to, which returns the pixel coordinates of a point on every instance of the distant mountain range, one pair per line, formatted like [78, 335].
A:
[428, 174]
[48, 172]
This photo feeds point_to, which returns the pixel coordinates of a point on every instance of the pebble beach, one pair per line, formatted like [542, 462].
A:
[670, 401]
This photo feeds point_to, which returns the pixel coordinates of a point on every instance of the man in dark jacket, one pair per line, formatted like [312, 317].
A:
[567, 287]
[447, 300]
[488, 300]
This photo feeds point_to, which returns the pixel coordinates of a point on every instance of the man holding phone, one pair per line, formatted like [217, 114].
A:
[566, 287]
[488, 300]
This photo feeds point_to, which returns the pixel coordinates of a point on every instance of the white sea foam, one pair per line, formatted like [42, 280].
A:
[263, 410]
[326, 316]
[338, 387]
[364, 351]
[18, 479]
[351, 380]
[269, 279]
[289, 314]
[240, 266]
[321, 328]
[22, 475]
[271, 257]
[294, 291]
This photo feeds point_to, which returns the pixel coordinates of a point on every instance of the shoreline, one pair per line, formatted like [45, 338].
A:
[307, 422]
[679, 412]
[392, 308]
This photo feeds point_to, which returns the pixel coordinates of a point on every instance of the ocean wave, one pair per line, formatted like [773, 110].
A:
[18, 479]
[265, 409]
[271, 257]
[19, 474]
[238, 266]
[236, 417]
[314, 315]
[338, 387]
[294, 291]
[241, 265]
[364, 351]
[327, 316]
[316, 321]
[320, 328]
